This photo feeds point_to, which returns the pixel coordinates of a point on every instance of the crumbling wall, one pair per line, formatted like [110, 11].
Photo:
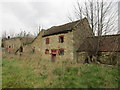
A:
[110, 58]
[14, 44]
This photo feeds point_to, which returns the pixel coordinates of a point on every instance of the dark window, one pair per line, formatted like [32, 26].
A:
[47, 40]
[61, 39]
[61, 51]
[46, 51]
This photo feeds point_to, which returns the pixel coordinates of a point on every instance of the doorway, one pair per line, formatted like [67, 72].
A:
[53, 57]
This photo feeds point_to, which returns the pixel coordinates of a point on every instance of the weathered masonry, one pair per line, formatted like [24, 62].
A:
[13, 44]
[73, 41]
[107, 47]
[60, 42]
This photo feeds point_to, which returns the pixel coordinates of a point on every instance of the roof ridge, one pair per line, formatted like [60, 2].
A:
[62, 28]
[77, 21]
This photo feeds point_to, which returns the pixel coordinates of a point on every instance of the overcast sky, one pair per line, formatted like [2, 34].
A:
[28, 15]
[19, 15]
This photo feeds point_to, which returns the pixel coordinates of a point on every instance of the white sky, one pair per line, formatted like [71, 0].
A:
[20, 15]
[28, 15]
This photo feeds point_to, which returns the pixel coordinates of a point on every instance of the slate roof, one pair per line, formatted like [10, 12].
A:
[108, 43]
[62, 28]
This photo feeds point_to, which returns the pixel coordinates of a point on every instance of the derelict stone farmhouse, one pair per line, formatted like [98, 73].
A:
[14, 43]
[70, 42]
[60, 42]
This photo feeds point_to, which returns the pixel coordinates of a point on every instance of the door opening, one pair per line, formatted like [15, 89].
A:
[53, 57]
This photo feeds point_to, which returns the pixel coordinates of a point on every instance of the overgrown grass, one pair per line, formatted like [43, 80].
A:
[42, 74]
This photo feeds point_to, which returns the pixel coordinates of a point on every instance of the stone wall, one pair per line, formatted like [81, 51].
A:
[35, 46]
[80, 32]
[67, 45]
[110, 58]
[14, 43]
[39, 44]
[82, 56]
[70, 45]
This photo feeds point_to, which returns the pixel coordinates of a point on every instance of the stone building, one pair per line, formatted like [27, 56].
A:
[60, 42]
[106, 47]
[74, 41]
[14, 43]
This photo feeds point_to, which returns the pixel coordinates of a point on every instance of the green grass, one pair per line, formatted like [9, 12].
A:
[41, 74]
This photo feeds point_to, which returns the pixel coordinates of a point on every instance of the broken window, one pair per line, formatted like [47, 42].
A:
[61, 39]
[47, 40]
[53, 51]
[46, 51]
[61, 52]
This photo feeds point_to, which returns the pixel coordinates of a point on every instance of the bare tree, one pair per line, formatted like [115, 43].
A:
[102, 17]
[4, 35]
[38, 30]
